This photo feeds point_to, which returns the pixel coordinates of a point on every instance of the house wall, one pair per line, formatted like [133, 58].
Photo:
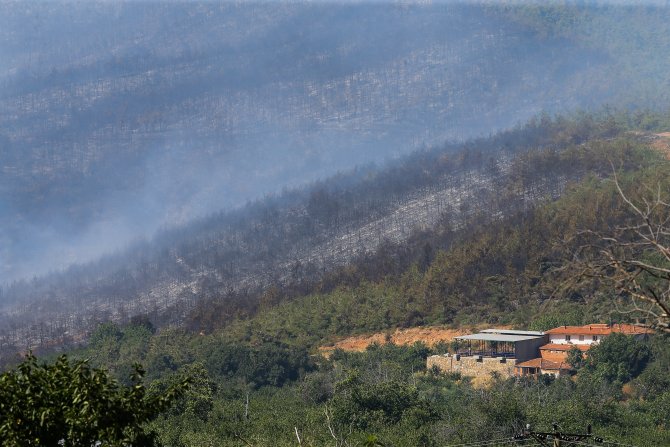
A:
[472, 366]
[529, 349]
[554, 356]
[574, 339]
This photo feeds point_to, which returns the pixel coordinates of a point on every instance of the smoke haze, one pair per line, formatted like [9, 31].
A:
[119, 118]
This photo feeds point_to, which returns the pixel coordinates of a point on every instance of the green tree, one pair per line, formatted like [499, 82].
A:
[618, 358]
[197, 401]
[561, 317]
[76, 405]
[575, 357]
[364, 405]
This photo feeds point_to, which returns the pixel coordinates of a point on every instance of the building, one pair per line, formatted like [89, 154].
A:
[511, 344]
[553, 355]
[592, 333]
[509, 352]
[490, 351]
[542, 366]
[558, 352]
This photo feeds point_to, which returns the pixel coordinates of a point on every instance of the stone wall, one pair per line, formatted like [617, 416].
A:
[473, 366]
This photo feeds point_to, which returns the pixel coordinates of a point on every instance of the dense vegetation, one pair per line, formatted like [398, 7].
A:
[262, 394]
[75, 405]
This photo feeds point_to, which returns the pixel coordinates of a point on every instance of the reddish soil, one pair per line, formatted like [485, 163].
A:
[428, 335]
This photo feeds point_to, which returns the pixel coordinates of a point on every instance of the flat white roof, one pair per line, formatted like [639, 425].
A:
[498, 337]
[511, 332]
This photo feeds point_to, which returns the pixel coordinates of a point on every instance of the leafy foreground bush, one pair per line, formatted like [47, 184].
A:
[76, 405]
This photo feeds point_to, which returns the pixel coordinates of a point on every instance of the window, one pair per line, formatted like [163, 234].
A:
[581, 338]
[567, 338]
[595, 338]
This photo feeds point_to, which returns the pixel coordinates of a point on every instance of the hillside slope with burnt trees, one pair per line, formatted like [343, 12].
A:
[166, 113]
[298, 239]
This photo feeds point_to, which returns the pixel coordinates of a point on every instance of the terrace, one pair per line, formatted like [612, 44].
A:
[519, 345]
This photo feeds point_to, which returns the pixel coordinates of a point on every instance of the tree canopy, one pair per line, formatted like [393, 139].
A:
[73, 404]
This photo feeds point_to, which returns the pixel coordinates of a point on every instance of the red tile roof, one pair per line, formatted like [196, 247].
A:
[599, 329]
[543, 364]
[564, 347]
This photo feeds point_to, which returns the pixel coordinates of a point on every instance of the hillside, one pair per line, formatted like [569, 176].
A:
[259, 376]
[170, 112]
[264, 223]
[295, 240]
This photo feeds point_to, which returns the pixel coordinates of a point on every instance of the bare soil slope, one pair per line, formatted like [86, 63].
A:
[427, 335]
